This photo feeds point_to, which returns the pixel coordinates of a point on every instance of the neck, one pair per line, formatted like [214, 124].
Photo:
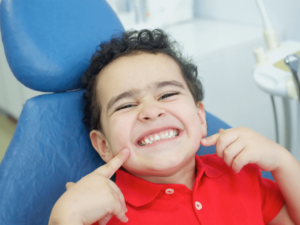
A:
[185, 176]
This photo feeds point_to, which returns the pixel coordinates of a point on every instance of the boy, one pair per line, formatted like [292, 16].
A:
[144, 110]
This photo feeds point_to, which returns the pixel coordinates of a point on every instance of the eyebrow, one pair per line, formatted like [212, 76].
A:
[135, 92]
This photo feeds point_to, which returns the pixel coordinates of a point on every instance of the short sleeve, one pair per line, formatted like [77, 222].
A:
[271, 199]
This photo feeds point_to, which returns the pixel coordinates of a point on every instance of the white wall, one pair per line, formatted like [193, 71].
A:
[10, 96]
[284, 14]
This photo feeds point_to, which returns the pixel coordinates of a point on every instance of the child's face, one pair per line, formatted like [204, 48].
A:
[141, 95]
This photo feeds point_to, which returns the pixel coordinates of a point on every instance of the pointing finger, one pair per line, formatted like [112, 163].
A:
[211, 140]
[114, 164]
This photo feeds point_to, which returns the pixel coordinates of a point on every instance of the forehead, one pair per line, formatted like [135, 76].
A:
[136, 71]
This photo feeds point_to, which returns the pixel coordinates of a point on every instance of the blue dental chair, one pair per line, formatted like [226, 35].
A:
[48, 45]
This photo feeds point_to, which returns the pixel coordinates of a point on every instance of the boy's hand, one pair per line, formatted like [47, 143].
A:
[93, 198]
[241, 146]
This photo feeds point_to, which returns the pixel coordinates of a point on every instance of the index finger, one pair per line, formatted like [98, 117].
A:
[211, 140]
[114, 164]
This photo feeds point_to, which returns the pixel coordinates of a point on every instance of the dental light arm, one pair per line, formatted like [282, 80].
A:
[268, 33]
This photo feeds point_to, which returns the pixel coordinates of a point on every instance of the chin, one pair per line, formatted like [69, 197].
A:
[168, 166]
[160, 168]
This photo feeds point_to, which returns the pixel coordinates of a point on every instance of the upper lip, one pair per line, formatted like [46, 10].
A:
[155, 130]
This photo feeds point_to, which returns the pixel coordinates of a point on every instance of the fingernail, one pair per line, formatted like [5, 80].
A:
[126, 220]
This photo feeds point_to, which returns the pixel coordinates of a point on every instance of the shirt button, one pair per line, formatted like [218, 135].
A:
[169, 191]
[198, 205]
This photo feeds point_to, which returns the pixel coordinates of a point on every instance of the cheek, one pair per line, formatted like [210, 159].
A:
[188, 114]
[120, 130]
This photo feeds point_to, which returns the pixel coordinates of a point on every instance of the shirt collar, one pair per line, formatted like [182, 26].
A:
[203, 162]
[138, 192]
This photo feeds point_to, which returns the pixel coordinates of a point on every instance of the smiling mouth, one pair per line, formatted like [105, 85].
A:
[167, 134]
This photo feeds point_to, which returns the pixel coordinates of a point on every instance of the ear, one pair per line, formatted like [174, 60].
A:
[101, 145]
[201, 114]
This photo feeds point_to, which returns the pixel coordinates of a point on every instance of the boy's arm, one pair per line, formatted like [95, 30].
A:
[241, 146]
[282, 218]
[287, 176]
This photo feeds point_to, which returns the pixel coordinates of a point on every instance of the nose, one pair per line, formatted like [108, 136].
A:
[151, 111]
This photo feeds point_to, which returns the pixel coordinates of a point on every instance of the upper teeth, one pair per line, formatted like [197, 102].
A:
[157, 137]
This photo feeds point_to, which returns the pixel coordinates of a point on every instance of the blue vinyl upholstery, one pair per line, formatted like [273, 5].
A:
[49, 148]
[48, 45]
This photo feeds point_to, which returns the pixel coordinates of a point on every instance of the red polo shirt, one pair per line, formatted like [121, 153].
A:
[219, 196]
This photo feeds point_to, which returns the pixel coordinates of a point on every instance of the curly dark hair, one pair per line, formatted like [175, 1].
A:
[156, 41]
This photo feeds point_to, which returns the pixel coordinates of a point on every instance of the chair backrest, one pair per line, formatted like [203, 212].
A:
[48, 45]
[50, 147]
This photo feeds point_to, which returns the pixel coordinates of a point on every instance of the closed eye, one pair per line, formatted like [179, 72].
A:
[162, 97]
[168, 95]
[125, 106]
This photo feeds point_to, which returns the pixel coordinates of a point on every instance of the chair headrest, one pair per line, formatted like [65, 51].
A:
[49, 44]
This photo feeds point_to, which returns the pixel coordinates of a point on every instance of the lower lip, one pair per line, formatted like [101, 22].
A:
[163, 141]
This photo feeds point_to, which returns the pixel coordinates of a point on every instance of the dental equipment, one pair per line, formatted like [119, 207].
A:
[275, 72]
